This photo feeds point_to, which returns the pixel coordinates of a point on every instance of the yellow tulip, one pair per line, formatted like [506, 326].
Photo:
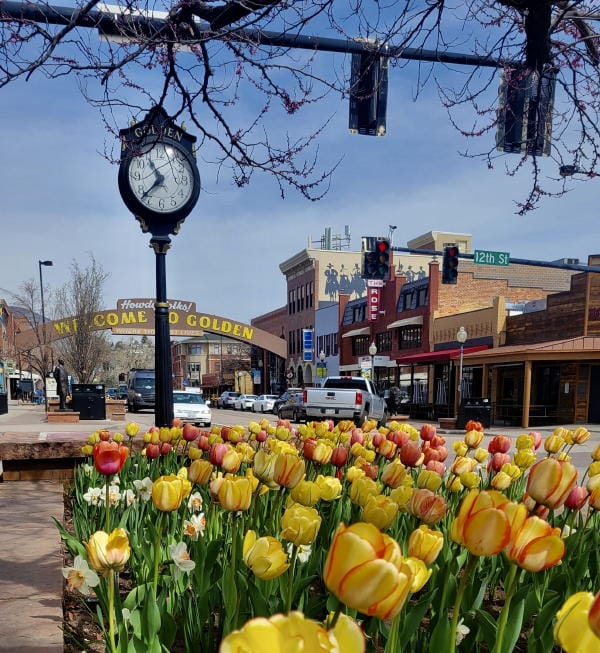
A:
[429, 480]
[352, 473]
[481, 525]
[264, 467]
[420, 572]
[306, 492]
[481, 455]
[380, 511]
[366, 571]
[470, 480]
[231, 461]
[322, 452]
[393, 473]
[106, 552]
[401, 495]
[276, 633]
[460, 448]
[524, 441]
[594, 468]
[524, 458]
[425, 543]
[473, 439]
[596, 453]
[330, 486]
[536, 546]
[362, 488]
[289, 469]
[501, 481]
[550, 481]
[235, 492]
[580, 435]
[553, 443]
[200, 471]
[300, 524]
[572, 629]
[264, 556]
[169, 491]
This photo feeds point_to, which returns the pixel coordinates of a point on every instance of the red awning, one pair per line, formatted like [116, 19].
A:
[438, 356]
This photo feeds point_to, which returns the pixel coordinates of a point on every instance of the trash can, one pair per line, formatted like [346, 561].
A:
[88, 400]
[478, 409]
[3, 403]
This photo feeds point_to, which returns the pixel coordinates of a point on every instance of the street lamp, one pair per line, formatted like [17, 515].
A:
[461, 337]
[46, 263]
[372, 352]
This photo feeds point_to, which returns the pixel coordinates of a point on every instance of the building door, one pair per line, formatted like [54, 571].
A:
[594, 402]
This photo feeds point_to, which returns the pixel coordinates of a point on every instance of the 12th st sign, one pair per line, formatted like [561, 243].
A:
[488, 257]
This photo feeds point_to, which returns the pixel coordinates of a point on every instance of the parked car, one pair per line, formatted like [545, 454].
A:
[122, 391]
[292, 408]
[191, 407]
[264, 404]
[284, 397]
[141, 389]
[111, 393]
[244, 402]
[227, 398]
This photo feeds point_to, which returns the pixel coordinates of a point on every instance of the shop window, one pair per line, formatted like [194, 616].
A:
[360, 345]
[384, 341]
[410, 337]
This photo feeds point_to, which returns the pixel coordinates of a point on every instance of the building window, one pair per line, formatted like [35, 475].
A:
[360, 345]
[409, 337]
[311, 293]
[359, 313]
[195, 349]
[384, 341]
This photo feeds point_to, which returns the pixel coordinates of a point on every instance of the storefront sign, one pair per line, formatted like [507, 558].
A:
[373, 299]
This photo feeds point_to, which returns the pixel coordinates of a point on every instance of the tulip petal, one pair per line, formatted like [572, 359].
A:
[487, 532]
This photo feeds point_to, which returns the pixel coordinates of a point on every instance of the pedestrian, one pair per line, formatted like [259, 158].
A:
[62, 383]
[19, 395]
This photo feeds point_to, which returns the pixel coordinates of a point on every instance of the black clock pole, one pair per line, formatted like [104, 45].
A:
[162, 350]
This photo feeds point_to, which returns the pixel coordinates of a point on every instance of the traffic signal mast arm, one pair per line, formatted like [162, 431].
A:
[519, 261]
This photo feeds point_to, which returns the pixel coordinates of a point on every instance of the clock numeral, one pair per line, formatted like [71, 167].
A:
[161, 203]
[137, 175]
[141, 189]
[173, 202]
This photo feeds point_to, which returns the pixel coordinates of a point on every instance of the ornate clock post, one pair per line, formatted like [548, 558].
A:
[160, 184]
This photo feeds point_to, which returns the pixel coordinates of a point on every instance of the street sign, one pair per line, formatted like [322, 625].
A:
[487, 257]
[307, 345]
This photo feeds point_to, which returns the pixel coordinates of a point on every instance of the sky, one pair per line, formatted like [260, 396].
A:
[60, 200]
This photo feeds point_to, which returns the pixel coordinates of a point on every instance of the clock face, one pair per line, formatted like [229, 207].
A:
[161, 178]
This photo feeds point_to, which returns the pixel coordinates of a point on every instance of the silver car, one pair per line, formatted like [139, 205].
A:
[244, 402]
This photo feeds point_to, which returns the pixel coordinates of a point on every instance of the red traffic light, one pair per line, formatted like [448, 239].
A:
[452, 251]
[383, 245]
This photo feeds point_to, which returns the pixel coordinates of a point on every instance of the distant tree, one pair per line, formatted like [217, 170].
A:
[85, 348]
[229, 60]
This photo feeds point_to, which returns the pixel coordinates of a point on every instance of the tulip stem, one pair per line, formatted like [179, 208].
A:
[107, 507]
[393, 643]
[159, 528]
[336, 615]
[510, 585]
[471, 562]
[111, 610]
[288, 606]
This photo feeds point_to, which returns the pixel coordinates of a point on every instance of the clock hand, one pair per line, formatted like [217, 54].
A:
[159, 181]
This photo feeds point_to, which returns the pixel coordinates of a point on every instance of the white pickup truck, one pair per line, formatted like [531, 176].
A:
[345, 397]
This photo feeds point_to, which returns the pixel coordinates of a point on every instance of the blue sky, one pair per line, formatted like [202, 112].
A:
[60, 199]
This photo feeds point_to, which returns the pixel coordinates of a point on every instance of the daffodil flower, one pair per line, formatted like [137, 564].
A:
[93, 496]
[143, 488]
[80, 577]
[195, 502]
[194, 526]
[128, 497]
[181, 557]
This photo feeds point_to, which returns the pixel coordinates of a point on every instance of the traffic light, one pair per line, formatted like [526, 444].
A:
[121, 377]
[450, 264]
[368, 94]
[376, 259]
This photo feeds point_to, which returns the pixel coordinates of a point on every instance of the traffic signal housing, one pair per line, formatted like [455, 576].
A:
[376, 259]
[121, 377]
[450, 264]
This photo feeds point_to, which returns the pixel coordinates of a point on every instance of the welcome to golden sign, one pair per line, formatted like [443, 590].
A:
[136, 317]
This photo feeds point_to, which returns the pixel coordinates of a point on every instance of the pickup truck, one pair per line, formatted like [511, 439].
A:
[345, 397]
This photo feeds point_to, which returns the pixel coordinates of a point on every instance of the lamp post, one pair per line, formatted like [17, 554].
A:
[323, 366]
[40, 264]
[372, 352]
[461, 337]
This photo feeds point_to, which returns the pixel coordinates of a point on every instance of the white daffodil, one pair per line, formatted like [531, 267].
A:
[93, 496]
[195, 502]
[114, 495]
[87, 469]
[116, 480]
[461, 631]
[181, 557]
[143, 488]
[128, 497]
[196, 525]
[80, 577]
[304, 551]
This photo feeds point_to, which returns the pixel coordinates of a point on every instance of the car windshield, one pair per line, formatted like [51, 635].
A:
[187, 398]
[143, 384]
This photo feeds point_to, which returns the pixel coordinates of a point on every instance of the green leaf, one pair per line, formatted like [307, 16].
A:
[440, 635]
[168, 630]
[73, 544]
[150, 618]
[414, 616]
[487, 627]
[513, 626]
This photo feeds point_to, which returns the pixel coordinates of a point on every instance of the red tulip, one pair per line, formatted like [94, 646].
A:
[497, 460]
[577, 498]
[217, 453]
[436, 466]
[357, 436]
[377, 438]
[152, 451]
[109, 457]
[339, 456]
[499, 444]
[437, 441]
[104, 435]
[177, 422]
[427, 432]
[165, 447]
[203, 442]
[537, 439]
[261, 436]
[398, 437]
[189, 432]
[411, 454]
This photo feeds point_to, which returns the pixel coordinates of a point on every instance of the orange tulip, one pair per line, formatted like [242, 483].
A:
[365, 570]
[427, 506]
[537, 546]
[482, 526]
[550, 481]
[109, 457]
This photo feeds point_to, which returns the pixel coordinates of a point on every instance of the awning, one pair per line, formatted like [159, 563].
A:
[407, 321]
[357, 332]
[438, 356]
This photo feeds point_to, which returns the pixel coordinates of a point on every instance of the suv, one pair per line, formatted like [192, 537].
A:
[227, 398]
